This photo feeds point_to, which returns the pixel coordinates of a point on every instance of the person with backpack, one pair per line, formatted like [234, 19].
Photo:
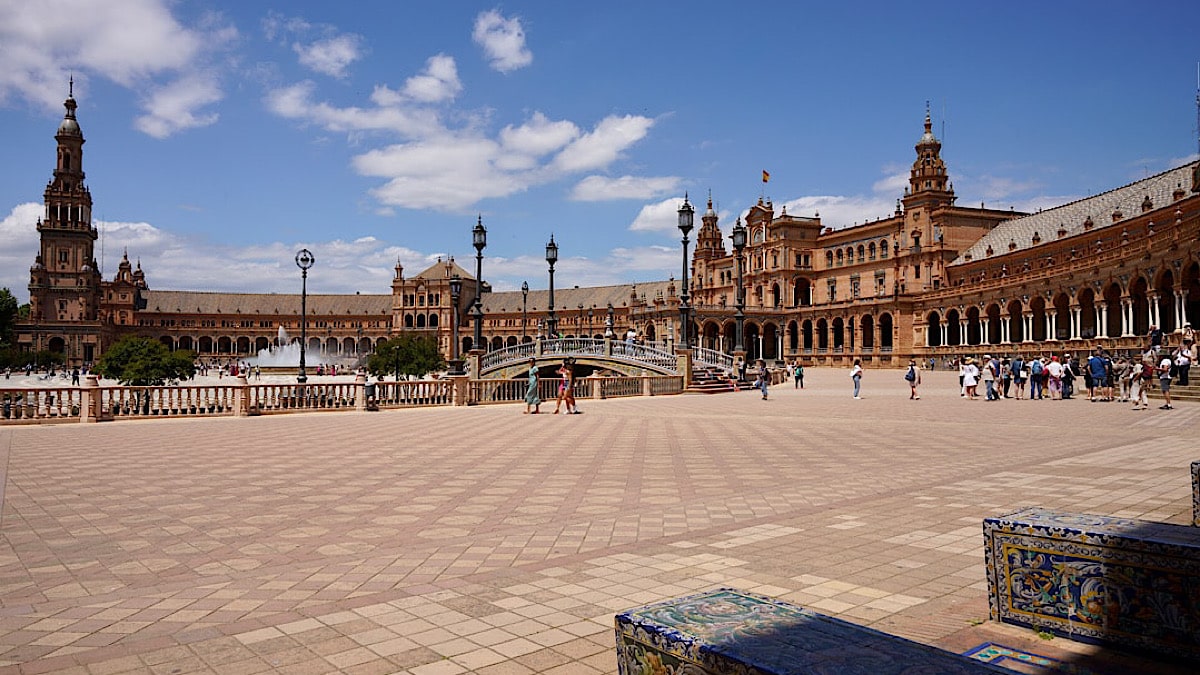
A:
[913, 377]
[1143, 375]
[1036, 371]
[1068, 376]
[1018, 376]
[798, 373]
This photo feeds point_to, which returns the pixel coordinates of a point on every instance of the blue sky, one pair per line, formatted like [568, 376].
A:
[222, 136]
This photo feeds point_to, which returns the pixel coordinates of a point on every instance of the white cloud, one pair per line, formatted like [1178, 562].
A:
[503, 41]
[18, 247]
[330, 56]
[296, 102]
[612, 136]
[602, 188]
[173, 107]
[539, 135]
[137, 44]
[658, 217]
[438, 83]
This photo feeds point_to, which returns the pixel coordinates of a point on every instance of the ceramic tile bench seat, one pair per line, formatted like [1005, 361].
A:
[1196, 494]
[731, 631]
[1119, 581]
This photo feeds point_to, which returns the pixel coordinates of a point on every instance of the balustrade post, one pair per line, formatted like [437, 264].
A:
[241, 397]
[360, 391]
[89, 399]
[474, 360]
[597, 386]
[646, 390]
[683, 364]
[460, 389]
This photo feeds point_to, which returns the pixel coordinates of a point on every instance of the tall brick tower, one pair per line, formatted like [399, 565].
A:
[64, 283]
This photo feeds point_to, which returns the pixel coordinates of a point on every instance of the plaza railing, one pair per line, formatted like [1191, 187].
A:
[239, 398]
[654, 356]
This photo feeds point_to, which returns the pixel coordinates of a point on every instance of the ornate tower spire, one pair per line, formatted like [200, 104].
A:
[66, 286]
[708, 237]
[928, 182]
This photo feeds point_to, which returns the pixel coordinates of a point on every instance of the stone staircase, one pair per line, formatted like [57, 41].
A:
[1189, 393]
[713, 381]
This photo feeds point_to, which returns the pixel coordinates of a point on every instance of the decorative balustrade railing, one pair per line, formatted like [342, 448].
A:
[168, 401]
[92, 403]
[272, 398]
[413, 394]
[711, 357]
[39, 404]
[624, 352]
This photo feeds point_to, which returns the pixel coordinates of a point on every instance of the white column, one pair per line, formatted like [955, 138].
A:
[985, 330]
[1052, 324]
[1153, 317]
[945, 333]
[1005, 325]
[1180, 308]
[1076, 322]
[962, 332]
[779, 340]
[1126, 316]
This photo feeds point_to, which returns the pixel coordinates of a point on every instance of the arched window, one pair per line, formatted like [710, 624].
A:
[840, 256]
[829, 258]
[883, 249]
[861, 253]
[871, 251]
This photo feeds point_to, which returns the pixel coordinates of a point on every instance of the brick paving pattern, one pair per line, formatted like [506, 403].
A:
[452, 540]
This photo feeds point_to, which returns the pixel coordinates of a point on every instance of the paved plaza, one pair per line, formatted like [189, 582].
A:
[450, 540]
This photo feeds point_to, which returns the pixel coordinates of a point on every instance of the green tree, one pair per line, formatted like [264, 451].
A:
[9, 311]
[142, 361]
[406, 355]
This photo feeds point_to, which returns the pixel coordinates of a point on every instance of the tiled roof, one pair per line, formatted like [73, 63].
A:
[569, 299]
[196, 302]
[1100, 208]
[438, 270]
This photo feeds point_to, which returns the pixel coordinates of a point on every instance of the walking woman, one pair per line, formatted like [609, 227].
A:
[531, 392]
[913, 377]
[856, 373]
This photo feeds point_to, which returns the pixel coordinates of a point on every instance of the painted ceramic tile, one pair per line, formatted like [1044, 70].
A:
[731, 631]
[1096, 578]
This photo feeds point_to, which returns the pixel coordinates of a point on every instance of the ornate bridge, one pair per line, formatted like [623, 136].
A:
[626, 358]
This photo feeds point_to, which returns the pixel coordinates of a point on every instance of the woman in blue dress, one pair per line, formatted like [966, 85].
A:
[531, 393]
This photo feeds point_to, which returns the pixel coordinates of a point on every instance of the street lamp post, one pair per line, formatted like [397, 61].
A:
[456, 363]
[608, 322]
[551, 258]
[579, 321]
[524, 305]
[479, 240]
[739, 243]
[591, 313]
[304, 260]
[686, 214]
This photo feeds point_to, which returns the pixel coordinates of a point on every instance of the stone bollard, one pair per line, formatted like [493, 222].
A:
[460, 390]
[241, 397]
[89, 399]
[360, 391]
[646, 390]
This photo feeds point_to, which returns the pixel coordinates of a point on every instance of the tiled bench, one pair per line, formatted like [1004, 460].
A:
[1196, 494]
[1097, 579]
[731, 631]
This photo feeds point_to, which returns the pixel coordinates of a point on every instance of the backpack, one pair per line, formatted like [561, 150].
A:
[1035, 367]
[1017, 366]
[911, 375]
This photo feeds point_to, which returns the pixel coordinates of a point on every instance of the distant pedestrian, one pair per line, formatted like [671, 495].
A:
[1018, 376]
[764, 378]
[75, 376]
[531, 392]
[1164, 381]
[913, 377]
[798, 373]
[970, 378]
[856, 373]
[1183, 362]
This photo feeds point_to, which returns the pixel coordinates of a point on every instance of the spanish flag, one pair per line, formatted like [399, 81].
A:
[766, 176]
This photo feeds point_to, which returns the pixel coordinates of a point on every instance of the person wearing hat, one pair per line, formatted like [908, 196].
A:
[987, 370]
[970, 378]
[1189, 335]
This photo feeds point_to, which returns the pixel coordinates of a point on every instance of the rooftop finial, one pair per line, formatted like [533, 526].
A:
[71, 86]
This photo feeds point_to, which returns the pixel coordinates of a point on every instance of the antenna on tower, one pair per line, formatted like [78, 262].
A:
[1198, 107]
[943, 120]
